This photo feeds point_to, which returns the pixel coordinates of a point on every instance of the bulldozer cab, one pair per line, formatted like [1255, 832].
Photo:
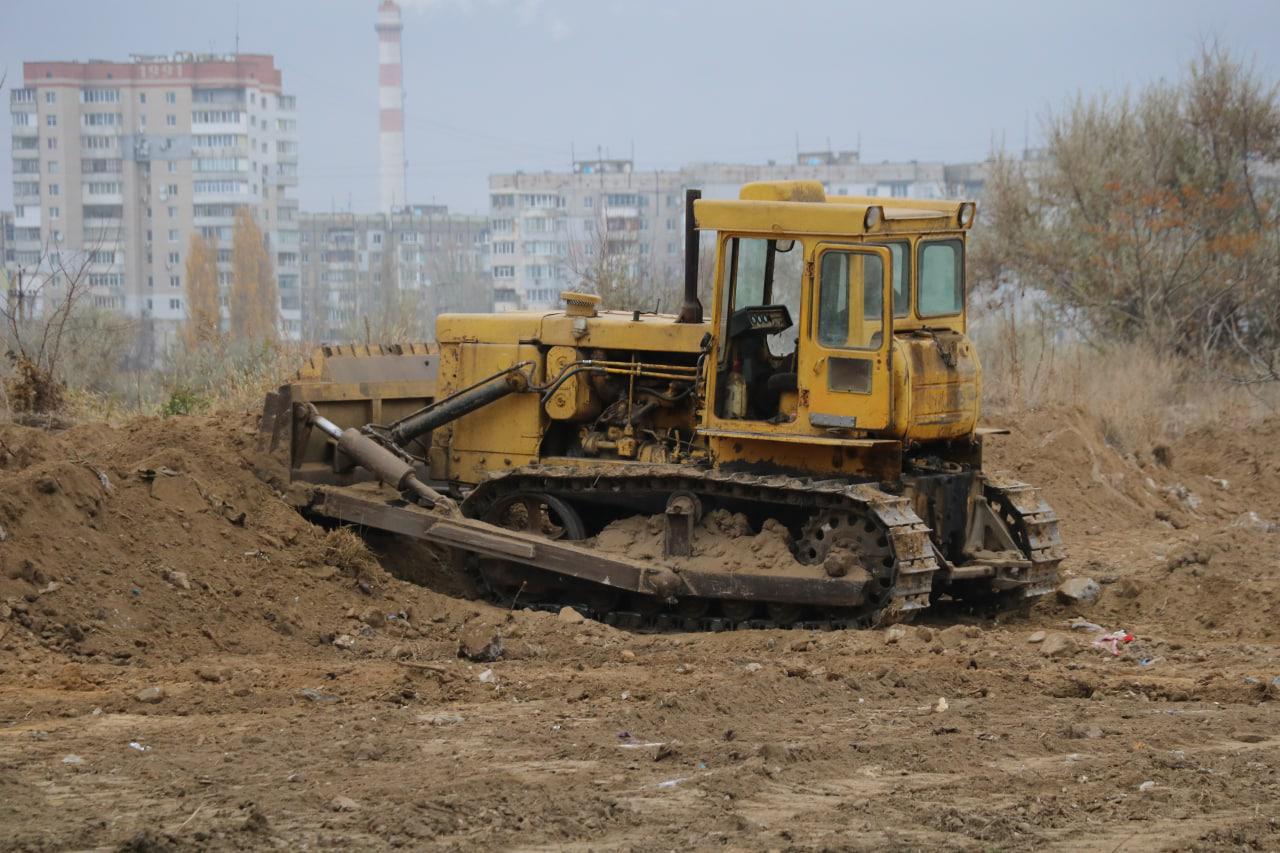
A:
[808, 295]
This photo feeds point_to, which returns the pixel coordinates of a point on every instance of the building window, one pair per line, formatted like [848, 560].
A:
[50, 97]
[55, 212]
[175, 304]
[173, 167]
[53, 189]
[173, 259]
[51, 120]
[589, 202]
[171, 120]
[170, 98]
[175, 281]
[151, 282]
[173, 235]
[53, 143]
[172, 189]
[142, 99]
[53, 167]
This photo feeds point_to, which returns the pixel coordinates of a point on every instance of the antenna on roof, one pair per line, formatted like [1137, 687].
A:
[237, 31]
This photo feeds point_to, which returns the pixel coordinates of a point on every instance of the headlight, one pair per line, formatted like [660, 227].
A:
[875, 214]
[967, 211]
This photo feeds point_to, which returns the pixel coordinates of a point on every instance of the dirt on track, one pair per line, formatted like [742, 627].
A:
[186, 663]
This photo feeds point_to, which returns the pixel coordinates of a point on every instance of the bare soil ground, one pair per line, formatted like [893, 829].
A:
[185, 663]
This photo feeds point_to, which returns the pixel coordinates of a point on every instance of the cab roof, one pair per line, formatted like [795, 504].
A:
[803, 207]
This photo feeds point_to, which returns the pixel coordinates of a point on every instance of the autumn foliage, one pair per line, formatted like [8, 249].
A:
[1153, 218]
[254, 299]
[204, 315]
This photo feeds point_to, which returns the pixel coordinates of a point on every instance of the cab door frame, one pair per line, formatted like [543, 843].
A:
[830, 377]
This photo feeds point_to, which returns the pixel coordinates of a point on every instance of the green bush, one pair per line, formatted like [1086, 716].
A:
[182, 401]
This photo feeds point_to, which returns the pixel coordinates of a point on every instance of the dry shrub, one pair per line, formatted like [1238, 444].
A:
[345, 550]
[28, 388]
[1138, 395]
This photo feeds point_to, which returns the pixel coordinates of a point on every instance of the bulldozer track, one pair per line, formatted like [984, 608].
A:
[1035, 527]
[646, 488]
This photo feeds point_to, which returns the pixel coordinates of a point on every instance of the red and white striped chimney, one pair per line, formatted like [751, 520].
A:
[390, 107]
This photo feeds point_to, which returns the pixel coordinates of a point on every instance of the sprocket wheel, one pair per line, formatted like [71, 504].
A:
[866, 543]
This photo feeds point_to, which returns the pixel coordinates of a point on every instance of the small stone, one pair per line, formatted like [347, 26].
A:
[573, 617]
[318, 697]
[924, 635]
[72, 760]
[487, 677]
[481, 644]
[1082, 731]
[753, 667]
[801, 646]
[1079, 591]
[894, 633]
[178, 579]
[1036, 637]
[952, 637]
[1147, 785]
[440, 719]
[940, 707]
[1057, 645]
[684, 668]
[297, 777]
[213, 676]
[343, 804]
[627, 654]
[150, 695]
[344, 641]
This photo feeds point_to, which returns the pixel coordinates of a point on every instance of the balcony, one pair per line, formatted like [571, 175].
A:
[94, 193]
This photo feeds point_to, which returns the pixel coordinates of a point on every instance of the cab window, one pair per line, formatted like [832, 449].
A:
[940, 289]
[759, 272]
[850, 305]
[900, 257]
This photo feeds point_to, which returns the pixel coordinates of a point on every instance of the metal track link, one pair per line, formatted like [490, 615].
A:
[908, 536]
[1035, 525]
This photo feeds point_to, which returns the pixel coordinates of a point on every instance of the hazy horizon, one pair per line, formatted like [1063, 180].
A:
[506, 85]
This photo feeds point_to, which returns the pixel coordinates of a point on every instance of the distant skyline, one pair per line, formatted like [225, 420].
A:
[506, 85]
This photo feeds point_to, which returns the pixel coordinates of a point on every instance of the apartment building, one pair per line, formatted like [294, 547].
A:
[117, 164]
[437, 259]
[6, 237]
[546, 228]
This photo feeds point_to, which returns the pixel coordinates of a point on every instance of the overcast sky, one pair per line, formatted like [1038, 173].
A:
[502, 85]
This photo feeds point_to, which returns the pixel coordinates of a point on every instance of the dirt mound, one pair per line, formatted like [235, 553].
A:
[720, 539]
[159, 541]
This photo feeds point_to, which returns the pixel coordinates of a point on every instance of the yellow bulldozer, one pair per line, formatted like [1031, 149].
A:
[831, 396]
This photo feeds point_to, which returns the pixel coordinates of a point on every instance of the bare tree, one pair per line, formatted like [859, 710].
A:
[613, 266]
[37, 314]
[1154, 217]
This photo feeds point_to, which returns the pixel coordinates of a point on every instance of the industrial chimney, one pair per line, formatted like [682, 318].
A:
[390, 107]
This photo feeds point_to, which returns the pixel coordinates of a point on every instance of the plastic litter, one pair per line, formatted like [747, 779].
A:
[1079, 624]
[72, 759]
[1112, 642]
[487, 677]
[1147, 785]
[133, 744]
[670, 783]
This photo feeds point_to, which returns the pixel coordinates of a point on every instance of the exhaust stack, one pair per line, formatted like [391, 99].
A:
[691, 310]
